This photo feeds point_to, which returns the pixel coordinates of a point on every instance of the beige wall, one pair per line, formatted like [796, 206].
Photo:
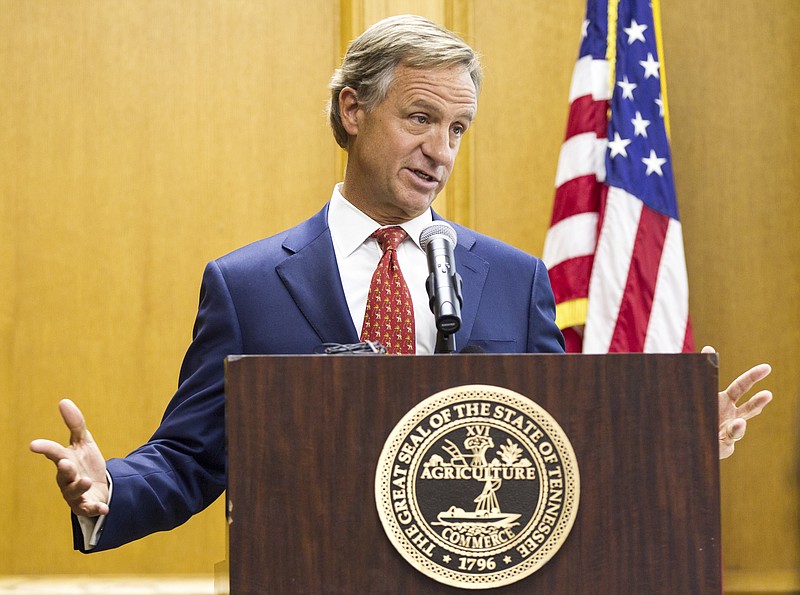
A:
[139, 140]
[735, 102]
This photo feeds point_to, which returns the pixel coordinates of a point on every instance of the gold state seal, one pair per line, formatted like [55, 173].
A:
[477, 487]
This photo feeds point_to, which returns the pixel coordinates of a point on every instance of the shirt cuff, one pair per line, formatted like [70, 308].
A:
[92, 527]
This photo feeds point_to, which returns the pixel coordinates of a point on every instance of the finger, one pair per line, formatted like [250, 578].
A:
[90, 509]
[74, 488]
[75, 421]
[52, 450]
[745, 382]
[754, 405]
[733, 431]
[726, 449]
[67, 473]
[81, 503]
[729, 434]
[74, 493]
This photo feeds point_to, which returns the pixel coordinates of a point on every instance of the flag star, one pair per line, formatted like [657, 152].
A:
[618, 145]
[585, 28]
[635, 32]
[627, 87]
[640, 125]
[653, 163]
[650, 66]
[660, 104]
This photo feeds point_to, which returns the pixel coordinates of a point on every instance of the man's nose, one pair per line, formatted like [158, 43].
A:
[438, 147]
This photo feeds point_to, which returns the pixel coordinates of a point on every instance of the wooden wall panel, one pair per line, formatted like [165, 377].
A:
[139, 141]
[528, 49]
[735, 104]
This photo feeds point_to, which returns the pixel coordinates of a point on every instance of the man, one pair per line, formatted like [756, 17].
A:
[400, 104]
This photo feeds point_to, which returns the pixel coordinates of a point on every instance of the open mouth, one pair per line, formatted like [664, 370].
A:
[423, 176]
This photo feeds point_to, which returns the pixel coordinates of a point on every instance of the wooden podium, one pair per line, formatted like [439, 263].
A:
[305, 434]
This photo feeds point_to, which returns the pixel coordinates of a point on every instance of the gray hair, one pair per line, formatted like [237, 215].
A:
[408, 40]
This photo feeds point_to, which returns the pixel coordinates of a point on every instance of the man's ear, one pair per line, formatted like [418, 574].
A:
[349, 110]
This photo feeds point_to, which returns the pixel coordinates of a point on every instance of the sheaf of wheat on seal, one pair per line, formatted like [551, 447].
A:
[477, 487]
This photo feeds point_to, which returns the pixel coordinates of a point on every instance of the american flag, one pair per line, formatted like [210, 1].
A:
[615, 244]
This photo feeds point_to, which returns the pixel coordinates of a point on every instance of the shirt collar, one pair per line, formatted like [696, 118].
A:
[350, 227]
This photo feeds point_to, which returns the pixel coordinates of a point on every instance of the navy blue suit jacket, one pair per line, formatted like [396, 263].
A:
[283, 295]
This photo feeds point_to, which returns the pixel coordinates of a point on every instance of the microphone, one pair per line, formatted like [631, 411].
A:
[473, 349]
[443, 283]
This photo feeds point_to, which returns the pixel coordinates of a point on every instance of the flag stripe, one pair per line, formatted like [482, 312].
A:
[587, 115]
[590, 77]
[566, 276]
[573, 237]
[610, 271]
[671, 298]
[582, 155]
[637, 301]
[688, 339]
[579, 195]
[572, 340]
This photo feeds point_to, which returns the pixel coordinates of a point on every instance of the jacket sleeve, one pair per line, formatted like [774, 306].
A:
[181, 469]
[544, 335]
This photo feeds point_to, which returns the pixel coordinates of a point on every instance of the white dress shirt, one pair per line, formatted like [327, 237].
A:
[357, 256]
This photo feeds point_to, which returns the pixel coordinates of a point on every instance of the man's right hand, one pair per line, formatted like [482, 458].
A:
[81, 469]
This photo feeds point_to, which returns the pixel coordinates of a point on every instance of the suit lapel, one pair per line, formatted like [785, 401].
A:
[473, 270]
[311, 276]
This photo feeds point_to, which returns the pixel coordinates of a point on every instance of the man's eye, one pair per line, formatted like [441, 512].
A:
[420, 119]
[458, 130]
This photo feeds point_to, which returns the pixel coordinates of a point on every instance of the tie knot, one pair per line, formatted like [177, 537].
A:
[389, 238]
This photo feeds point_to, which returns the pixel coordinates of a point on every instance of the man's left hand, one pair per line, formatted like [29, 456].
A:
[733, 419]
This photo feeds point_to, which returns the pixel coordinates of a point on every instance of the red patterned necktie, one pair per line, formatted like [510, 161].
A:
[389, 318]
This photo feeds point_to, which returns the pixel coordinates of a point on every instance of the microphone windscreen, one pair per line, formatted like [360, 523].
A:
[473, 349]
[437, 229]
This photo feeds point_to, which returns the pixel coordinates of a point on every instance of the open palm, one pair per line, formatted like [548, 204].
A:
[81, 468]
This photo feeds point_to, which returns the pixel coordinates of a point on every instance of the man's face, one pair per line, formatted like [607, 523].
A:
[401, 153]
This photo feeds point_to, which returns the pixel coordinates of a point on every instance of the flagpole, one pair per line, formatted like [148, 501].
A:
[611, 43]
[660, 48]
